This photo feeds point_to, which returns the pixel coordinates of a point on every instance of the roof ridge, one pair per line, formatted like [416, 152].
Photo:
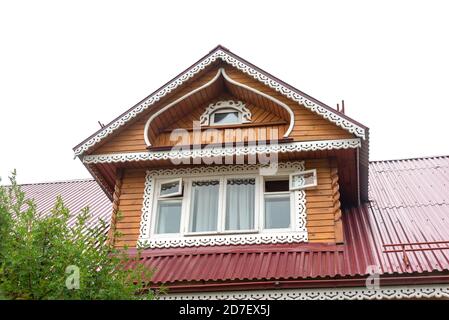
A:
[411, 158]
[58, 181]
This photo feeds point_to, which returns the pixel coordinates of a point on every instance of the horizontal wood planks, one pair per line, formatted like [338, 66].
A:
[130, 207]
[321, 203]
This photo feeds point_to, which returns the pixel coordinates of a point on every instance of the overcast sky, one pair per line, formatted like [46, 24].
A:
[66, 65]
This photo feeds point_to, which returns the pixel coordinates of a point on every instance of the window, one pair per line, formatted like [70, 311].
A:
[277, 203]
[303, 179]
[240, 203]
[226, 116]
[204, 206]
[227, 204]
[169, 207]
[171, 188]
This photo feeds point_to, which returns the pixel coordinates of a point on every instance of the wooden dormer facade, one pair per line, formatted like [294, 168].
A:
[227, 154]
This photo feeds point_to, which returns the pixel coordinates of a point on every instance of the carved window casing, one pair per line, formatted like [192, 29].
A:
[149, 237]
[222, 107]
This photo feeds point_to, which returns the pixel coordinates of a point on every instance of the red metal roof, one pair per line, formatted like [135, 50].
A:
[76, 194]
[409, 202]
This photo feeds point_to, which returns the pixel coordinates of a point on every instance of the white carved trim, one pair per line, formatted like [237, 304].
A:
[228, 104]
[240, 65]
[352, 293]
[168, 106]
[299, 234]
[218, 151]
[283, 105]
[202, 120]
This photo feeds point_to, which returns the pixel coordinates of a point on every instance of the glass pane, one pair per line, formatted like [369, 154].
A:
[240, 199]
[204, 206]
[277, 212]
[276, 185]
[303, 179]
[168, 216]
[226, 117]
[169, 188]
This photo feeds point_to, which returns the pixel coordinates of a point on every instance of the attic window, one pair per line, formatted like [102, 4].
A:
[226, 116]
[224, 113]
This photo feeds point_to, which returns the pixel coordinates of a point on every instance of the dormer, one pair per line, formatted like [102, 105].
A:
[227, 154]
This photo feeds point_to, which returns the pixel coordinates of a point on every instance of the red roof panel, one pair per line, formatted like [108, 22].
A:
[409, 202]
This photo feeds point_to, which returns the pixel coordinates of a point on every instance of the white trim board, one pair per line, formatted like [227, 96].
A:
[220, 54]
[218, 151]
[437, 291]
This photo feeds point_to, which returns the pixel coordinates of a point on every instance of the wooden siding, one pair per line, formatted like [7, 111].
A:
[323, 203]
[130, 207]
[308, 125]
[264, 125]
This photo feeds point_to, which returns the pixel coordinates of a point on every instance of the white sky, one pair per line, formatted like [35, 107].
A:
[65, 65]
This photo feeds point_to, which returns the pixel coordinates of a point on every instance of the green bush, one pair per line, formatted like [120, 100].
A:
[40, 256]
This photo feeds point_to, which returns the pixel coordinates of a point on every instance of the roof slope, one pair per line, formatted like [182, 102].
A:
[409, 202]
[76, 194]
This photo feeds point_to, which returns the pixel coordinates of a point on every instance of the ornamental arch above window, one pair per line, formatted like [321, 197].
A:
[225, 113]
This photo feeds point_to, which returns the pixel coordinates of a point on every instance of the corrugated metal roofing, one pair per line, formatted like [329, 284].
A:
[76, 194]
[409, 202]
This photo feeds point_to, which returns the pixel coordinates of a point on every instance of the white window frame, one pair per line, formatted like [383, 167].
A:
[279, 194]
[157, 198]
[174, 194]
[313, 184]
[149, 239]
[225, 110]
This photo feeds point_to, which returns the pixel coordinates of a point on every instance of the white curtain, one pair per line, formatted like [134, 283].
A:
[240, 204]
[204, 206]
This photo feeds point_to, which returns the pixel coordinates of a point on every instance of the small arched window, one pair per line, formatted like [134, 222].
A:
[225, 113]
[226, 116]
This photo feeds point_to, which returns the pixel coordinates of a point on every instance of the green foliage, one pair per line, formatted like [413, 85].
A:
[38, 252]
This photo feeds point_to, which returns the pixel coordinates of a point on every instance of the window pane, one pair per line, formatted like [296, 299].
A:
[169, 188]
[226, 117]
[277, 212]
[276, 185]
[240, 200]
[168, 216]
[303, 179]
[204, 206]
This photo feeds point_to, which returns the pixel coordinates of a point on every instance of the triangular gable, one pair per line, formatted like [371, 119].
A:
[220, 53]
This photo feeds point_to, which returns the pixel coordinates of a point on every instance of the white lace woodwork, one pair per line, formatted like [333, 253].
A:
[218, 151]
[437, 291]
[222, 72]
[219, 54]
[205, 119]
[299, 233]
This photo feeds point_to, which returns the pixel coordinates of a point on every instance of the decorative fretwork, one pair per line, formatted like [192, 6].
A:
[298, 235]
[228, 104]
[269, 81]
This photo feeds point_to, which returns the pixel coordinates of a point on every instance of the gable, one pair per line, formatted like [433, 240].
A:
[269, 119]
[221, 54]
